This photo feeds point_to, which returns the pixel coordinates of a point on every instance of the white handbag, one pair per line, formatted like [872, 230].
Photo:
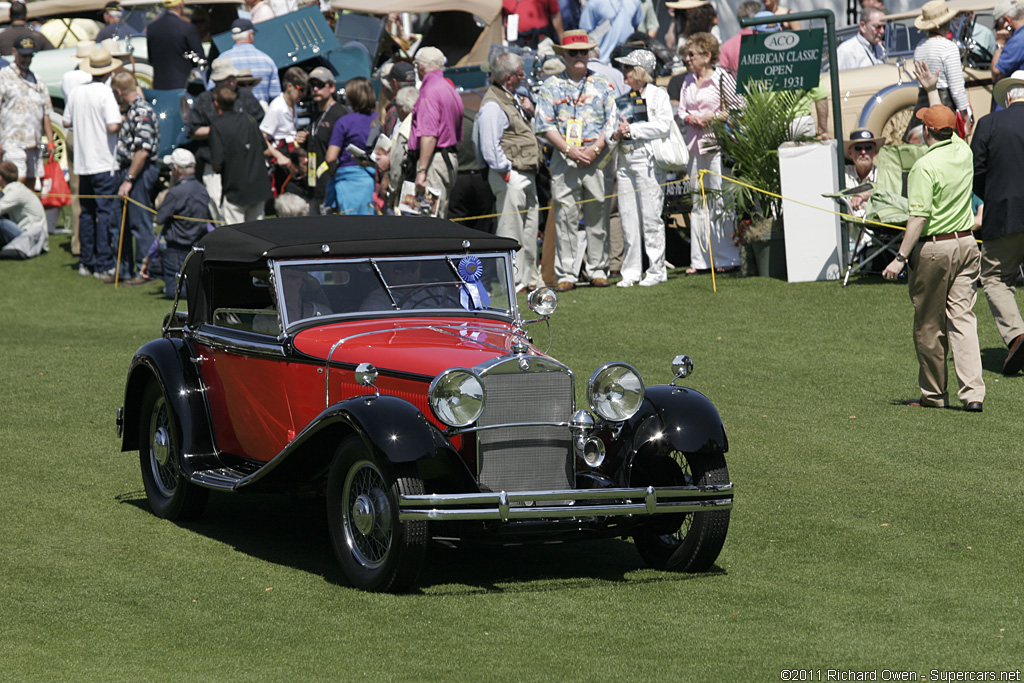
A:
[670, 152]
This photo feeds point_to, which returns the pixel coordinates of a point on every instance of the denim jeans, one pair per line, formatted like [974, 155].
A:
[8, 230]
[97, 222]
[139, 221]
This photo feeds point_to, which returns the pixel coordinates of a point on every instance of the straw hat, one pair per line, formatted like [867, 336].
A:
[246, 79]
[1004, 84]
[933, 15]
[686, 4]
[100, 62]
[576, 39]
[114, 47]
[82, 50]
[222, 69]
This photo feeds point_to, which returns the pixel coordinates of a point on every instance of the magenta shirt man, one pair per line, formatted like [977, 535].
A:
[438, 112]
[729, 53]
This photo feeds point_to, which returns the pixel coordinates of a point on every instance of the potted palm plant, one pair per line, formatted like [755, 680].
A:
[750, 139]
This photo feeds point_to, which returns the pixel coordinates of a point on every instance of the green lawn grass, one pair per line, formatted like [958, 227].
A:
[866, 535]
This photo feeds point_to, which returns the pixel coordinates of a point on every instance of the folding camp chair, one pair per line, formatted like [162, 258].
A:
[887, 204]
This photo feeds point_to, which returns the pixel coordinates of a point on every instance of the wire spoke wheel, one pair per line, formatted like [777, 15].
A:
[688, 541]
[170, 494]
[376, 551]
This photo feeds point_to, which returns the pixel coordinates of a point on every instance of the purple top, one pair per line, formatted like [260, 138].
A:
[351, 129]
[438, 112]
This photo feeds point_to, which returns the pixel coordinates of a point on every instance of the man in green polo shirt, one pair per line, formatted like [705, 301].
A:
[945, 264]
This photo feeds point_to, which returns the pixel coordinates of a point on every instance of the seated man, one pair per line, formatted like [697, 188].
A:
[22, 218]
[861, 149]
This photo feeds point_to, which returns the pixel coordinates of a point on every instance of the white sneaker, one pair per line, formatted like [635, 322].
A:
[650, 281]
[84, 271]
[625, 283]
[100, 274]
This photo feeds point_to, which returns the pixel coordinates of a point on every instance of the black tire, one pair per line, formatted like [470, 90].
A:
[171, 495]
[375, 550]
[688, 542]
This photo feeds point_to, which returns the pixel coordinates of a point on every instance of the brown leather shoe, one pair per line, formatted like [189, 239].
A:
[564, 286]
[600, 282]
[1015, 358]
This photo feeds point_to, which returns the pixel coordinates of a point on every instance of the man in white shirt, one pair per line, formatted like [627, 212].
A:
[865, 48]
[279, 123]
[93, 114]
[68, 82]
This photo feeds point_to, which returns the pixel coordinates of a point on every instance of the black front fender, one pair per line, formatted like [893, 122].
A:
[168, 363]
[685, 417]
[391, 428]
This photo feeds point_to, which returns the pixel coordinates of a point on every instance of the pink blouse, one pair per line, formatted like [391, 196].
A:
[704, 99]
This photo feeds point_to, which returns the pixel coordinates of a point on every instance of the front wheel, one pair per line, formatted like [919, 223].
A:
[171, 495]
[377, 552]
[688, 542]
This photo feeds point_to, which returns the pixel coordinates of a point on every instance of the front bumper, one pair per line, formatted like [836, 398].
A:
[611, 502]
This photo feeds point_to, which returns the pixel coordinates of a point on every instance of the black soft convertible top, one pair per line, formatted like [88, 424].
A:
[319, 236]
[249, 245]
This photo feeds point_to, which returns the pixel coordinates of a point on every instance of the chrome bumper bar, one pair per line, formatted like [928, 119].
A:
[564, 504]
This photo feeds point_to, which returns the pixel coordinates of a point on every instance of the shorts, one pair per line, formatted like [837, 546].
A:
[28, 161]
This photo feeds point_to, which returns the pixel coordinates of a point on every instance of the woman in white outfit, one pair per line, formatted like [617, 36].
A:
[700, 102]
[640, 190]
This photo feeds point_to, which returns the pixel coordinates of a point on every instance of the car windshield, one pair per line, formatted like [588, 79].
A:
[455, 282]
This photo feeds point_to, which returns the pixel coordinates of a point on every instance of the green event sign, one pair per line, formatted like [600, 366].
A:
[791, 60]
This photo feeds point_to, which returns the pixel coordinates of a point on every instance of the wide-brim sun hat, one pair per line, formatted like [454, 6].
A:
[100, 62]
[82, 50]
[934, 14]
[1016, 79]
[576, 39]
[687, 4]
[114, 46]
[222, 69]
[859, 137]
[246, 79]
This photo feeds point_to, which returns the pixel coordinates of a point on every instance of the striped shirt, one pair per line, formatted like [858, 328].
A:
[244, 57]
[943, 58]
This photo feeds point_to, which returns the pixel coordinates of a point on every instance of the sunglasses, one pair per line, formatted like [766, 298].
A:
[577, 53]
[864, 148]
[316, 85]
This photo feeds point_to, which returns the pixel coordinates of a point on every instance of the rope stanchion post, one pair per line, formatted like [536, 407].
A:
[120, 243]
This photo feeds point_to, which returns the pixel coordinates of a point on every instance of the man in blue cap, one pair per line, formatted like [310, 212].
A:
[174, 45]
[25, 112]
[245, 57]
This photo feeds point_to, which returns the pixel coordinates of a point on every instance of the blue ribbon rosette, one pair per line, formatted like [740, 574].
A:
[473, 294]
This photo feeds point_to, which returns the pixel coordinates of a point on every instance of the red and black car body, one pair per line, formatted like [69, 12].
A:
[383, 364]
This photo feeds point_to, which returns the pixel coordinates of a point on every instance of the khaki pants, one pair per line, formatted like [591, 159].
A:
[943, 289]
[1000, 262]
[212, 183]
[571, 185]
[234, 214]
[439, 178]
[516, 202]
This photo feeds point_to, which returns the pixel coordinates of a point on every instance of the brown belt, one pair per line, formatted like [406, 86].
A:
[946, 236]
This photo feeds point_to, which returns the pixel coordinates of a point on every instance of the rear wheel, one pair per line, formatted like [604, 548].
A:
[171, 495]
[688, 542]
[896, 126]
[377, 552]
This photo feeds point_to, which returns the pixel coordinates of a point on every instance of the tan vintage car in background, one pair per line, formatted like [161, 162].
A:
[881, 98]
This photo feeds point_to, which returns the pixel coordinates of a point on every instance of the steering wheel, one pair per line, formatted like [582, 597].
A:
[429, 295]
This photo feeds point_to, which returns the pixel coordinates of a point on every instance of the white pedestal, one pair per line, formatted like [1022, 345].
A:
[813, 237]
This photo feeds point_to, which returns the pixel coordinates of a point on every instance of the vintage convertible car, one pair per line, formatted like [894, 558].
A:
[383, 364]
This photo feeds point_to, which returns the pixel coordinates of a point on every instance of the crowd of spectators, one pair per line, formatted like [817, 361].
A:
[584, 135]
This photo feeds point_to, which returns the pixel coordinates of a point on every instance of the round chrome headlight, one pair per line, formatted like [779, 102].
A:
[457, 397]
[542, 301]
[615, 391]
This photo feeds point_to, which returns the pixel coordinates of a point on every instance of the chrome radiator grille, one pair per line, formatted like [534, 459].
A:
[528, 458]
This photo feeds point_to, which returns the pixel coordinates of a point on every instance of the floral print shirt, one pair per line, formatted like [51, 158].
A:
[591, 101]
[139, 130]
[23, 104]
